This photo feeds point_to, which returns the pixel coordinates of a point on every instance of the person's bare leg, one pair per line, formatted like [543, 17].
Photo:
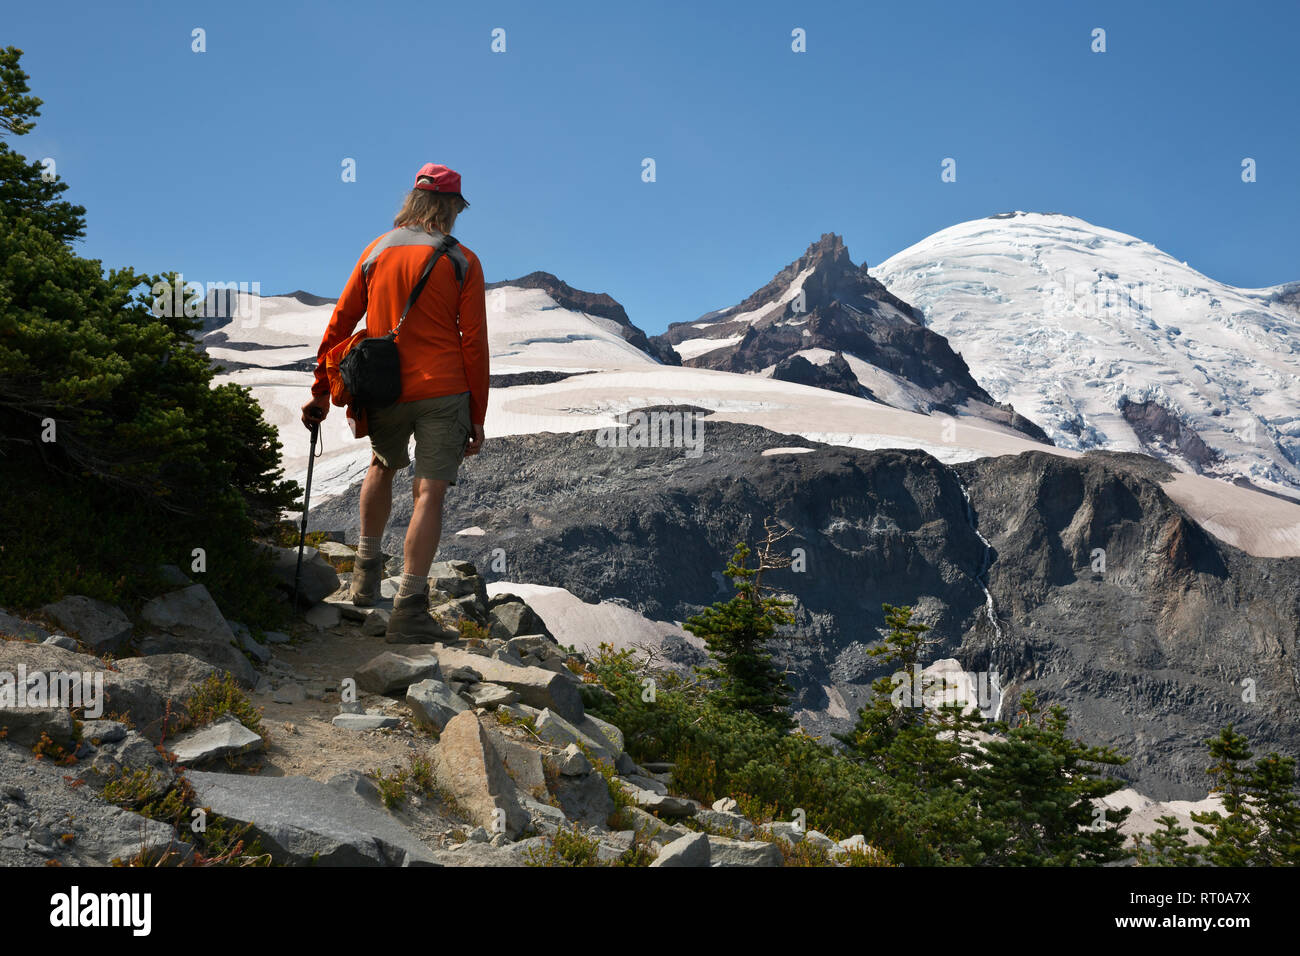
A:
[376, 499]
[426, 525]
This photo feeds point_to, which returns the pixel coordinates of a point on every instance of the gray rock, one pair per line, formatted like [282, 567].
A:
[390, 673]
[277, 637]
[323, 616]
[61, 640]
[723, 805]
[647, 783]
[289, 694]
[259, 651]
[654, 828]
[662, 804]
[100, 626]
[573, 762]
[733, 824]
[690, 850]
[152, 691]
[364, 722]
[357, 784]
[724, 851]
[304, 822]
[225, 738]
[514, 619]
[376, 622]
[491, 696]
[12, 626]
[188, 622]
[522, 763]
[555, 730]
[96, 732]
[586, 799]
[784, 830]
[101, 832]
[128, 755]
[537, 687]
[25, 725]
[433, 703]
[318, 580]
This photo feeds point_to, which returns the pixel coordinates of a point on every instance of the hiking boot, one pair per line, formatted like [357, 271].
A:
[365, 580]
[411, 622]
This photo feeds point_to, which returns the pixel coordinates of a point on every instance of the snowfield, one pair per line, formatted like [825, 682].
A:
[1068, 321]
[529, 331]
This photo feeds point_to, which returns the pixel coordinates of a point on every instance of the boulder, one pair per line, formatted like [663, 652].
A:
[11, 626]
[586, 799]
[152, 691]
[467, 764]
[728, 824]
[25, 725]
[433, 703]
[121, 752]
[536, 686]
[376, 623]
[523, 763]
[783, 830]
[188, 622]
[655, 829]
[554, 729]
[390, 674]
[458, 579]
[225, 738]
[724, 851]
[305, 822]
[318, 580]
[491, 696]
[662, 804]
[690, 850]
[513, 619]
[573, 762]
[100, 626]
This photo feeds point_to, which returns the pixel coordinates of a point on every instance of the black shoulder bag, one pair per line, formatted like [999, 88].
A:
[372, 369]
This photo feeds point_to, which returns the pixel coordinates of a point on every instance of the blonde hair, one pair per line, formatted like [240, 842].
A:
[430, 211]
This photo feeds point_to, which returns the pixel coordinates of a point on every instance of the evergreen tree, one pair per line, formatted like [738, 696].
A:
[117, 454]
[26, 189]
[1036, 794]
[737, 633]
[922, 742]
[1166, 846]
[1272, 789]
[1230, 836]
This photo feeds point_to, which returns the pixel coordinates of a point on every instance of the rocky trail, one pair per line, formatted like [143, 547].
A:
[473, 752]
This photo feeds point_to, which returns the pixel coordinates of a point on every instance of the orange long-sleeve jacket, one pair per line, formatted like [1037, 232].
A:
[443, 343]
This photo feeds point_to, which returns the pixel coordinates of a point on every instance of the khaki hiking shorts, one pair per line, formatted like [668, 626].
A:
[441, 428]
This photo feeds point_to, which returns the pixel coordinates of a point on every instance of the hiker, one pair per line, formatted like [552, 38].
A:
[443, 349]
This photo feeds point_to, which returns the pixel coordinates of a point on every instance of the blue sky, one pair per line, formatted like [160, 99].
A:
[226, 164]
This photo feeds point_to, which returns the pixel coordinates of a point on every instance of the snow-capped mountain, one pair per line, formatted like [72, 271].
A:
[824, 321]
[1107, 342]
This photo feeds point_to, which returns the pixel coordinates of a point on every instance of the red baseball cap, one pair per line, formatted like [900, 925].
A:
[442, 180]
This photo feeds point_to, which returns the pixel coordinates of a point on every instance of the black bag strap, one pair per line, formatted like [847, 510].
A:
[445, 244]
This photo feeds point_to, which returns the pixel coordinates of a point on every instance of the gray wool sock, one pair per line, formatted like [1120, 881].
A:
[411, 584]
[368, 547]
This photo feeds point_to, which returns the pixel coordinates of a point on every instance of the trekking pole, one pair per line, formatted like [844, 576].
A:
[306, 501]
